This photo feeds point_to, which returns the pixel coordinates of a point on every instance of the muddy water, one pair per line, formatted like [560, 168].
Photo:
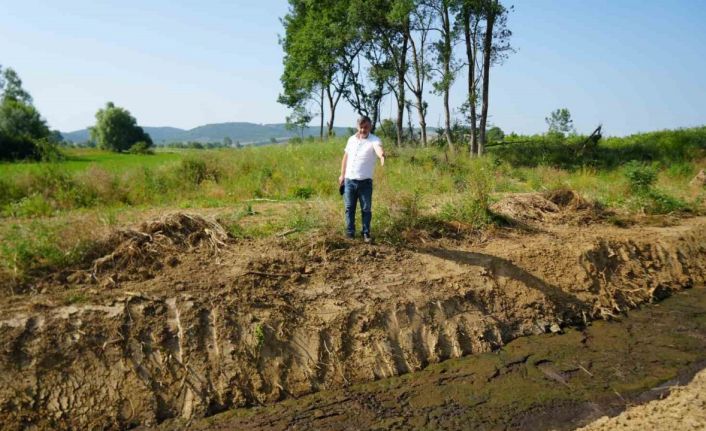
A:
[544, 382]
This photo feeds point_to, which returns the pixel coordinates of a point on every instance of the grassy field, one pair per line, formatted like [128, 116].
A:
[53, 212]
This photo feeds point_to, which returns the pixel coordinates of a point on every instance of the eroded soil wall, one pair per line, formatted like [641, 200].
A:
[290, 323]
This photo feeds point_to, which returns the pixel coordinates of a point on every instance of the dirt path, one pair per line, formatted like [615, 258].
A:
[180, 322]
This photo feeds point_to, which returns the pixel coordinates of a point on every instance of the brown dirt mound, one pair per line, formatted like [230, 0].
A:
[557, 207]
[135, 254]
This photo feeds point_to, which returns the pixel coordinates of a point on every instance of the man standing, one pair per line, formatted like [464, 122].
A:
[357, 169]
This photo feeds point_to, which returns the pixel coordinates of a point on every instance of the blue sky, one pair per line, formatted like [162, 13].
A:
[630, 65]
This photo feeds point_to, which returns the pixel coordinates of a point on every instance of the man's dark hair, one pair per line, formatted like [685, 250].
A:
[364, 119]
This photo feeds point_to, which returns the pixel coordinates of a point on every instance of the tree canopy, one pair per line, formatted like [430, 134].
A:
[362, 50]
[560, 122]
[117, 130]
[23, 132]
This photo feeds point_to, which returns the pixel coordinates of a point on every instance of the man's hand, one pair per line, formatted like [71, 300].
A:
[340, 180]
[382, 160]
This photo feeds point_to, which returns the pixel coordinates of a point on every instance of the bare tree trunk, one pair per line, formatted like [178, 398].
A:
[376, 114]
[446, 23]
[418, 91]
[321, 109]
[401, 71]
[332, 112]
[410, 129]
[487, 52]
[471, 59]
[421, 110]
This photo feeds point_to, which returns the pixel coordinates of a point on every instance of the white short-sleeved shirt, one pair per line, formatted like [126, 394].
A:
[361, 156]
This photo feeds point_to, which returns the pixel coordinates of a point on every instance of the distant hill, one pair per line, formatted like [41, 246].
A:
[245, 133]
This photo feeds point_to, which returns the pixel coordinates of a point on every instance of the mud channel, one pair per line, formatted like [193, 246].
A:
[177, 322]
[539, 382]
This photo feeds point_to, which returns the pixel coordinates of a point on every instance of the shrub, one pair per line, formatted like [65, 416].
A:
[641, 177]
[29, 206]
[303, 192]
[195, 171]
[659, 202]
[141, 147]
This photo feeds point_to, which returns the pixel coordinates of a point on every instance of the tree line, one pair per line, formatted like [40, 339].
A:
[24, 134]
[360, 51]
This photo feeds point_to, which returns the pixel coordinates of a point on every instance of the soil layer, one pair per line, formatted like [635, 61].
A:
[540, 382]
[176, 321]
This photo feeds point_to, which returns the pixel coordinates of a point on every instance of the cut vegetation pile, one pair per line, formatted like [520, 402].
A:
[135, 254]
[558, 206]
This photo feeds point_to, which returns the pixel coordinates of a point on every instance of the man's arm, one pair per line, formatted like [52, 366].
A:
[343, 168]
[380, 153]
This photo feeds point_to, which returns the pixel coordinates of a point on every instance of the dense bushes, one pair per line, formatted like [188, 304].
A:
[23, 133]
[664, 147]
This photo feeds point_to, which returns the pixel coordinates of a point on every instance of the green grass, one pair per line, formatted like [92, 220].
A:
[80, 159]
[418, 189]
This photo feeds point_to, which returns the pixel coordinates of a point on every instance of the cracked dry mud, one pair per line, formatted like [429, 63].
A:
[201, 328]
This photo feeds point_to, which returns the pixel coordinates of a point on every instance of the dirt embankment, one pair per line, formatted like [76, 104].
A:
[684, 409]
[178, 323]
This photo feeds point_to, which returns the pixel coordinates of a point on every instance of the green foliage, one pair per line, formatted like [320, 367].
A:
[641, 177]
[90, 178]
[23, 133]
[641, 181]
[197, 170]
[141, 147]
[30, 206]
[665, 147]
[473, 206]
[560, 122]
[303, 192]
[299, 119]
[35, 246]
[387, 130]
[495, 134]
[117, 130]
[11, 87]
[660, 202]
[259, 336]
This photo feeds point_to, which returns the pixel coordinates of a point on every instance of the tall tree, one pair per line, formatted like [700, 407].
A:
[23, 132]
[560, 122]
[385, 23]
[496, 47]
[421, 19]
[370, 75]
[468, 19]
[117, 130]
[319, 49]
[444, 58]
[11, 86]
[299, 120]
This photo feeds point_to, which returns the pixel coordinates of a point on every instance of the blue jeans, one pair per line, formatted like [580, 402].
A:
[354, 191]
